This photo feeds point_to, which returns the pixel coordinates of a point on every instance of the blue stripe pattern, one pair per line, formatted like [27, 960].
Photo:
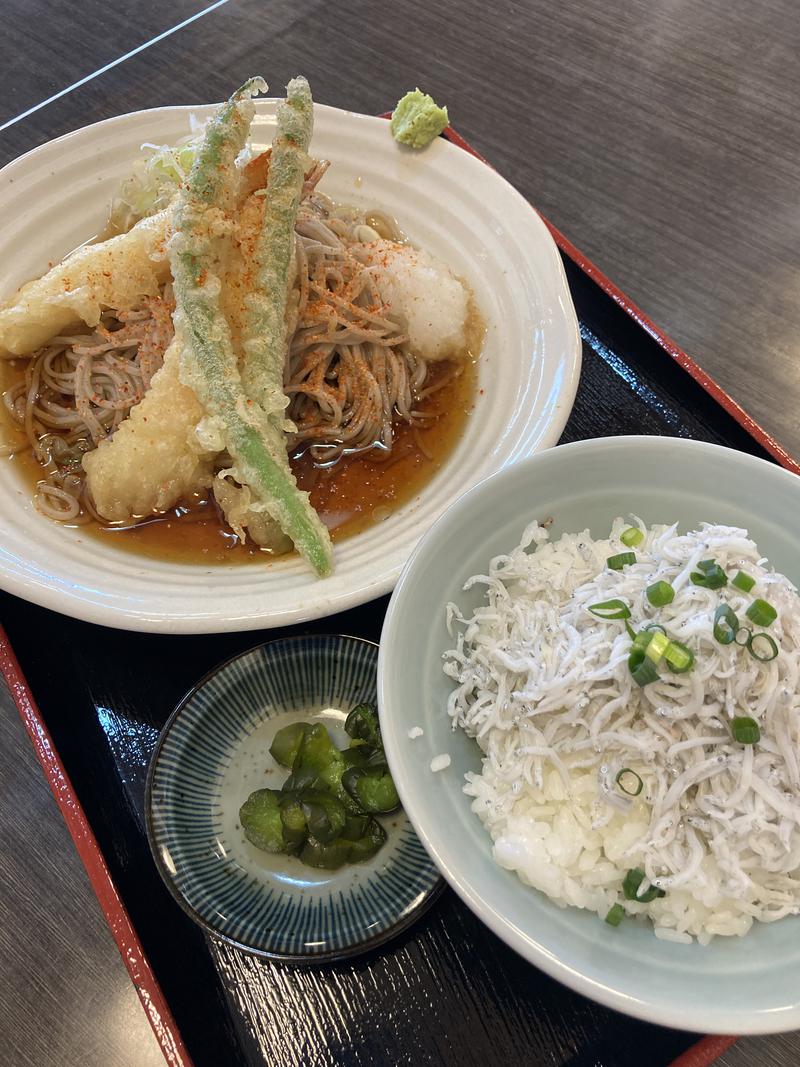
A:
[186, 809]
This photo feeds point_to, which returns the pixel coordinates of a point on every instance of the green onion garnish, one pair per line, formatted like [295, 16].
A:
[654, 627]
[745, 730]
[747, 632]
[622, 559]
[659, 594]
[761, 612]
[641, 667]
[657, 646]
[615, 915]
[629, 782]
[679, 657]
[630, 629]
[642, 640]
[762, 647]
[725, 624]
[743, 581]
[630, 887]
[631, 537]
[709, 575]
[611, 609]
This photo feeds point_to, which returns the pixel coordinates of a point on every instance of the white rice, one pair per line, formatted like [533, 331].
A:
[545, 688]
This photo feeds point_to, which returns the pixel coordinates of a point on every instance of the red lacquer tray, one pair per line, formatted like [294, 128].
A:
[441, 992]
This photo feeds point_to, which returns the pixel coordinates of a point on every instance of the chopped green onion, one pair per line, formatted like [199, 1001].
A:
[630, 629]
[679, 657]
[745, 730]
[630, 887]
[636, 786]
[631, 537]
[707, 565]
[641, 668]
[748, 633]
[762, 647]
[761, 612]
[615, 915]
[659, 594]
[657, 646]
[622, 559]
[642, 640]
[709, 575]
[611, 609]
[726, 624]
[654, 627]
[743, 581]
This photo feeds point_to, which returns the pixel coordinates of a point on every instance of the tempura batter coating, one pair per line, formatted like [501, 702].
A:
[116, 273]
[154, 460]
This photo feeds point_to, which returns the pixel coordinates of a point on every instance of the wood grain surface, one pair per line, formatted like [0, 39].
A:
[65, 996]
[664, 139]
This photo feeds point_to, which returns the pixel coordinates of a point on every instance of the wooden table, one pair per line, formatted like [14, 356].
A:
[663, 139]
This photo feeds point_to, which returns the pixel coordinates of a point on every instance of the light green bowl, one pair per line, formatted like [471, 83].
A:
[735, 985]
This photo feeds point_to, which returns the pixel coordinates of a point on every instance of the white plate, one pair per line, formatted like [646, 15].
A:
[448, 202]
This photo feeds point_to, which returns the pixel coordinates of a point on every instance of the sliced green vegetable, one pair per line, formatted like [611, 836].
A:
[316, 750]
[616, 913]
[372, 788]
[325, 815]
[629, 782]
[761, 612]
[302, 778]
[630, 887]
[743, 581]
[622, 559]
[643, 639]
[356, 826]
[726, 624]
[659, 594]
[294, 825]
[679, 658]
[328, 857]
[762, 647]
[745, 730]
[261, 820]
[209, 364]
[319, 756]
[362, 725]
[641, 667]
[611, 609]
[657, 646]
[743, 636]
[365, 847]
[709, 575]
[631, 537]
[286, 743]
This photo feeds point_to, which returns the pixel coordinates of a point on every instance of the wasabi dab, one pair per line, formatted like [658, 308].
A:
[417, 120]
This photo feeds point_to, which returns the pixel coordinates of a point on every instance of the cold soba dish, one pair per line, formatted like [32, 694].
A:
[244, 362]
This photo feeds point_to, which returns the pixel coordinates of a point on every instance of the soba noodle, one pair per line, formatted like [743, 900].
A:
[350, 372]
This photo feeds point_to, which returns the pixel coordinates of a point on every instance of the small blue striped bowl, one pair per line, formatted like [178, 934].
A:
[214, 751]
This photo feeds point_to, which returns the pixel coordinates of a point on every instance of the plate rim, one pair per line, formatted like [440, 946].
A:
[357, 948]
[150, 618]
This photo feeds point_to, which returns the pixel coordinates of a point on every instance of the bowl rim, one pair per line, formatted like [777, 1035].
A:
[695, 1019]
[298, 958]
